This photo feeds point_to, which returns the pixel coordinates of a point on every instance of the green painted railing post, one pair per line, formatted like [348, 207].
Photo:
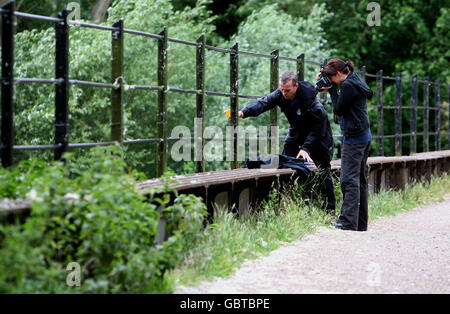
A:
[234, 100]
[162, 103]
[201, 100]
[117, 79]
[62, 89]
[380, 113]
[448, 122]
[323, 95]
[363, 73]
[301, 67]
[398, 115]
[426, 115]
[274, 82]
[7, 139]
[413, 146]
[437, 99]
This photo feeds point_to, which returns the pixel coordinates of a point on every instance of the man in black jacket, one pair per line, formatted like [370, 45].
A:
[310, 134]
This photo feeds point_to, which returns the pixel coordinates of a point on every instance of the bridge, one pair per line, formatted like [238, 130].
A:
[227, 187]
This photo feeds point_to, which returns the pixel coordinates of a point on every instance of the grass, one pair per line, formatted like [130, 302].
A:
[229, 240]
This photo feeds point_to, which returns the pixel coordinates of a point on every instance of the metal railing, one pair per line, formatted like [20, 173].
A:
[118, 86]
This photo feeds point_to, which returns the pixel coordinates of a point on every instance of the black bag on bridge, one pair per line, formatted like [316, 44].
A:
[278, 161]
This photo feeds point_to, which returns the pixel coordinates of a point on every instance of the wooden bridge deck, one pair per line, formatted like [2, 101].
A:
[241, 187]
[206, 179]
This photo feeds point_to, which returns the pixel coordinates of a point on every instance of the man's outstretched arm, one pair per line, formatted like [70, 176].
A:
[261, 105]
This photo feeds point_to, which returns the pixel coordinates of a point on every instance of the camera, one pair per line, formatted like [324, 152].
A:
[323, 82]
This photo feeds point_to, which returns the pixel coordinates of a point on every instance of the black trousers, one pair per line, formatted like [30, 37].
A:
[322, 161]
[354, 171]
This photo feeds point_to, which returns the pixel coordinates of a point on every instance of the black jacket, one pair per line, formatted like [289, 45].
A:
[308, 119]
[351, 106]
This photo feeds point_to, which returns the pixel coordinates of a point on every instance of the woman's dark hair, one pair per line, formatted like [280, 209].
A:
[338, 65]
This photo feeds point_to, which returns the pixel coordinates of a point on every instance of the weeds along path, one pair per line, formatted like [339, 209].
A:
[407, 253]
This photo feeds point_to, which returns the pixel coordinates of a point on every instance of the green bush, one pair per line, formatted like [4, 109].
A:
[90, 213]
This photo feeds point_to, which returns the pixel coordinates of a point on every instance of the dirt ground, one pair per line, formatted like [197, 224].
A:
[407, 253]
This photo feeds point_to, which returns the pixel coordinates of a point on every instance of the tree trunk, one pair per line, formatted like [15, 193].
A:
[99, 11]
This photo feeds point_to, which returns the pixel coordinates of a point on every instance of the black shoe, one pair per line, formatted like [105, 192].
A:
[339, 225]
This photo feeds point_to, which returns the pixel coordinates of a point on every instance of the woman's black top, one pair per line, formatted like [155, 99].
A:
[351, 106]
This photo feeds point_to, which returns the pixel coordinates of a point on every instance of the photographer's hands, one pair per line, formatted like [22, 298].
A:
[323, 89]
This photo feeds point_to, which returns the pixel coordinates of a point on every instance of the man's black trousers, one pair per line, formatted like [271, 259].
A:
[354, 212]
[322, 161]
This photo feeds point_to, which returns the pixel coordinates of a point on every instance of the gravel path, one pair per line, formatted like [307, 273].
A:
[407, 253]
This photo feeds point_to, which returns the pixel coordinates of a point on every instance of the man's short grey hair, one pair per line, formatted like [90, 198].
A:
[289, 76]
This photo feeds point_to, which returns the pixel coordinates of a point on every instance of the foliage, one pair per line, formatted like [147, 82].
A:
[90, 61]
[49, 8]
[229, 14]
[420, 27]
[322, 30]
[91, 213]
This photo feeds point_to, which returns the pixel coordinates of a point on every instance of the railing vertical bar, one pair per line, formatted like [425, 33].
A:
[437, 98]
[234, 100]
[62, 89]
[380, 113]
[201, 100]
[274, 78]
[7, 141]
[117, 78]
[301, 67]
[448, 121]
[398, 115]
[323, 95]
[413, 143]
[162, 103]
[363, 73]
[426, 115]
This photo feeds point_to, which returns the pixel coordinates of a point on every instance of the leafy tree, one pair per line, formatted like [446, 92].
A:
[89, 10]
[88, 211]
[90, 61]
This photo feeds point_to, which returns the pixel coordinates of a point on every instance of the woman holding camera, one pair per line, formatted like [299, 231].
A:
[351, 107]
